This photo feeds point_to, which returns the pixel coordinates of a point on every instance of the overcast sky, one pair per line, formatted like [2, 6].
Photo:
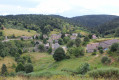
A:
[67, 8]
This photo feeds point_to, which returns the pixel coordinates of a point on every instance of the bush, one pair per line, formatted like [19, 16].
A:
[83, 69]
[94, 53]
[75, 51]
[60, 41]
[101, 51]
[41, 47]
[86, 39]
[50, 50]
[59, 54]
[70, 43]
[78, 42]
[4, 69]
[19, 67]
[106, 60]
[28, 68]
[114, 47]
[104, 73]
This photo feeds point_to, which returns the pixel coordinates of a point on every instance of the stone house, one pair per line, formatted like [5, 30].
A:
[74, 34]
[67, 35]
[103, 44]
[55, 46]
[56, 36]
[94, 36]
[26, 37]
[73, 37]
[91, 47]
[47, 46]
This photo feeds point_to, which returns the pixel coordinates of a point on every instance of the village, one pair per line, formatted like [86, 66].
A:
[52, 41]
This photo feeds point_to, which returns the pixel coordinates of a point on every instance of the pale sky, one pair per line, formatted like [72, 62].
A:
[67, 8]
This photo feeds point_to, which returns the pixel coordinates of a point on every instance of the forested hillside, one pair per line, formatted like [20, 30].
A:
[39, 23]
[91, 21]
[109, 27]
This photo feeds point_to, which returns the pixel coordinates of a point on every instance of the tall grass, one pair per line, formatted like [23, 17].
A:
[105, 73]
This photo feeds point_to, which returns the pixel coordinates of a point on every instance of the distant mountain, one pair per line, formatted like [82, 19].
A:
[92, 20]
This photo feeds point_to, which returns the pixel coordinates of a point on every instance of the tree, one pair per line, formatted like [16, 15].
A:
[59, 54]
[75, 51]
[90, 36]
[105, 59]
[28, 68]
[60, 41]
[70, 43]
[50, 50]
[3, 69]
[117, 32]
[20, 51]
[66, 39]
[44, 41]
[86, 39]
[41, 47]
[83, 69]
[78, 42]
[101, 51]
[19, 67]
[29, 60]
[114, 47]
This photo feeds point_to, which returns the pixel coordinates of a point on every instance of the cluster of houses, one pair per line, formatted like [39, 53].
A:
[53, 41]
[104, 44]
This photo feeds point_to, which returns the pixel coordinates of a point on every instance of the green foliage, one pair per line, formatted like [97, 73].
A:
[104, 73]
[29, 60]
[20, 51]
[60, 41]
[78, 42]
[75, 51]
[101, 51]
[66, 39]
[105, 60]
[117, 32]
[83, 69]
[20, 67]
[70, 43]
[50, 50]
[28, 68]
[90, 36]
[86, 39]
[41, 47]
[100, 48]
[44, 41]
[59, 54]
[114, 47]
[94, 53]
[4, 69]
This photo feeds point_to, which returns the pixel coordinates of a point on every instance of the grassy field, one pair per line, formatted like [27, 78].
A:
[9, 32]
[9, 61]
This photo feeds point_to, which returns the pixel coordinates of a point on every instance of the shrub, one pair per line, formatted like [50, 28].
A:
[114, 47]
[83, 69]
[101, 51]
[60, 41]
[28, 68]
[105, 59]
[19, 67]
[4, 69]
[70, 43]
[50, 50]
[94, 53]
[59, 54]
[104, 73]
[76, 51]
[86, 39]
[41, 47]
[78, 42]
